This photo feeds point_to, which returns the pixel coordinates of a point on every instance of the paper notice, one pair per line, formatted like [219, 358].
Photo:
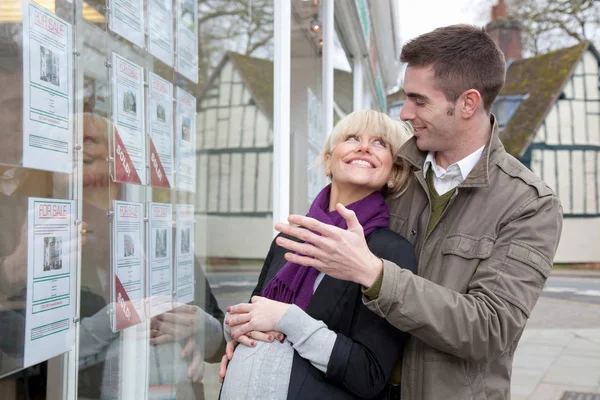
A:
[184, 254]
[48, 90]
[128, 257]
[51, 286]
[160, 259]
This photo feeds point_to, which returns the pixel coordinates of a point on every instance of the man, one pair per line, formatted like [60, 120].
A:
[485, 228]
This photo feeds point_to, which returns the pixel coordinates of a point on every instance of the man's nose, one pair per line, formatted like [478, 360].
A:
[407, 112]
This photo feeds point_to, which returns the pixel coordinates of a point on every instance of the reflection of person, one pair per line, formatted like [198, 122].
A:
[187, 337]
[484, 226]
[334, 347]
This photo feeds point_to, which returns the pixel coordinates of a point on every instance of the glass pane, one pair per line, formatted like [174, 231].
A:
[38, 249]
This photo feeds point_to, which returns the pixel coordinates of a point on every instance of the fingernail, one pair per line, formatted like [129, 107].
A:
[226, 322]
[253, 344]
[228, 309]
[270, 338]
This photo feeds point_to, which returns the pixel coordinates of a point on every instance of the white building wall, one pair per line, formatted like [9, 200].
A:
[579, 241]
[574, 173]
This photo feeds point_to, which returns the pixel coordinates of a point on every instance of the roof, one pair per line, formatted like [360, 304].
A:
[257, 74]
[543, 78]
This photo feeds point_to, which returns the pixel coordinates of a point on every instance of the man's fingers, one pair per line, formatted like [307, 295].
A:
[314, 225]
[237, 319]
[241, 308]
[350, 217]
[302, 248]
[306, 261]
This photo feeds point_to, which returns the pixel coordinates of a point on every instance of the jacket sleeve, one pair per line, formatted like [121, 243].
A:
[265, 269]
[481, 324]
[363, 362]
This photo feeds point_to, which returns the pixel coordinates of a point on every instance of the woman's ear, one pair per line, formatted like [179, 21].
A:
[327, 163]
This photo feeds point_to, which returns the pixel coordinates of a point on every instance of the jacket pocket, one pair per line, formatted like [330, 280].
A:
[469, 247]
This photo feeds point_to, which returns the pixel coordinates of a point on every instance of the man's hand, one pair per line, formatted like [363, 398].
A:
[342, 254]
[252, 319]
[180, 323]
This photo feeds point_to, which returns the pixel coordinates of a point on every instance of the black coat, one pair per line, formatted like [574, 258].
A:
[367, 347]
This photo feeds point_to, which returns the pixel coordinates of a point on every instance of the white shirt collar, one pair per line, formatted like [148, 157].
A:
[465, 166]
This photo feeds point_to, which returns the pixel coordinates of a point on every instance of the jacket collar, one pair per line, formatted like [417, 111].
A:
[479, 175]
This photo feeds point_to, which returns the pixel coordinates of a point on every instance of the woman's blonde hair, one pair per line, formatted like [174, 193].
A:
[375, 124]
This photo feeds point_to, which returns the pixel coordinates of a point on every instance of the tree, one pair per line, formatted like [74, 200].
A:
[244, 26]
[552, 24]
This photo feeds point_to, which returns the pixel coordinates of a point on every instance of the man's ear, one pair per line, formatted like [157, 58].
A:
[468, 103]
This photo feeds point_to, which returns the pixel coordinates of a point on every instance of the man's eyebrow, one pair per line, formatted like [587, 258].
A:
[416, 96]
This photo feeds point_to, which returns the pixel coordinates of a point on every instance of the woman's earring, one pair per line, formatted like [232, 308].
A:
[328, 173]
[390, 184]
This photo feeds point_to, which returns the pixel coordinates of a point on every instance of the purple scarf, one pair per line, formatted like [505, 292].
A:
[294, 283]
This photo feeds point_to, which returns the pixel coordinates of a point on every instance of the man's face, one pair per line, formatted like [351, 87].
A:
[11, 116]
[428, 111]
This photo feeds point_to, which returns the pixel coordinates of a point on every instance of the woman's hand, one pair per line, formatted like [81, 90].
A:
[261, 315]
[179, 323]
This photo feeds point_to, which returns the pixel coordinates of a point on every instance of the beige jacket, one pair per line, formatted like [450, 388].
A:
[481, 271]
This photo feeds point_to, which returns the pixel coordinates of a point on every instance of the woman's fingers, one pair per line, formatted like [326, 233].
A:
[261, 336]
[237, 319]
[230, 348]
[245, 340]
[223, 368]
[240, 308]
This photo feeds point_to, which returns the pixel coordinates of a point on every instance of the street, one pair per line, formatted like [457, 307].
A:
[584, 289]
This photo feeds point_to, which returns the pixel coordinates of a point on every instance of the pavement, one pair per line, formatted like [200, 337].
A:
[558, 357]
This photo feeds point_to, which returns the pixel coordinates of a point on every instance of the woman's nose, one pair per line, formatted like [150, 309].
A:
[364, 144]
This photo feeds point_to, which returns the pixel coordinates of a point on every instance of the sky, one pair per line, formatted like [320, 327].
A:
[421, 16]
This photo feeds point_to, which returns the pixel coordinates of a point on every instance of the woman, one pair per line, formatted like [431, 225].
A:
[334, 347]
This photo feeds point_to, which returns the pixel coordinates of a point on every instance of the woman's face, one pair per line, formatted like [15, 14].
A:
[95, 151]
[361, 162]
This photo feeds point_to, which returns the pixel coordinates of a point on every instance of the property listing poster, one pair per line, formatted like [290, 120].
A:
[187, 39]
[128, 118]
[51, 252]
[186, 141]
[127, 20]
[160, 30]
[128, 259]
[47, 90]
[160, 141]
[184, 254]
[160, 259]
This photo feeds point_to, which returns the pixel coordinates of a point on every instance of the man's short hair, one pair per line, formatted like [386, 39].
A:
[463, 57]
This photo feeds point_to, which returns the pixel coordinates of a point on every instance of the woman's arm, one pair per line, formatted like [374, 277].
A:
[364, 361]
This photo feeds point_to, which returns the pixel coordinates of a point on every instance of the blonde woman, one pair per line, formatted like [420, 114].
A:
[309, 336]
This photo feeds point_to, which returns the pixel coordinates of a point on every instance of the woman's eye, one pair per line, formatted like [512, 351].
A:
[352, 138]
[380, 142]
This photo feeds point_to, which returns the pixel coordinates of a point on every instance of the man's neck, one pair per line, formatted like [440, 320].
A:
[471, 141]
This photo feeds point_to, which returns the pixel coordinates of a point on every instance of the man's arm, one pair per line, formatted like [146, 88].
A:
[483, 323]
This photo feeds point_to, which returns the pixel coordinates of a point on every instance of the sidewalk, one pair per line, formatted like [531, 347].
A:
[564, 358]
